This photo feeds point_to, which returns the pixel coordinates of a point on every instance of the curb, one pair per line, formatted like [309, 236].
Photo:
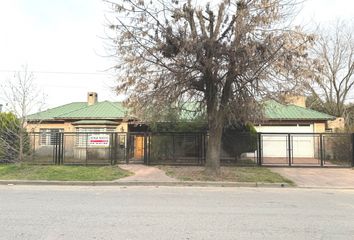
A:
[144, 183]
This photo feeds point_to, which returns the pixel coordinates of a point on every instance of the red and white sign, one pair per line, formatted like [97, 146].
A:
[99, 140]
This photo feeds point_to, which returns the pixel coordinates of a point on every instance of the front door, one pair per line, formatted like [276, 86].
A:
[139, 148]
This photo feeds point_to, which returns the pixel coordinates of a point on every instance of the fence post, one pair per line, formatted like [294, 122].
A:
[61, 154]
[289, 148]
[86, 149]
[54, 148]
[352, 149]
[34, 147]
[127, 150]
[173, 148]
[149, 147]
[112, 147]
[145, 149]
[259, 149]
[321, 149]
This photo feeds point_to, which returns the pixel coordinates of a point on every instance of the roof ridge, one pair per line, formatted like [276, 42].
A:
[309, 109]
[72, 110]
[99, 110]
[277, 110]
[54, 108]
[116, 106]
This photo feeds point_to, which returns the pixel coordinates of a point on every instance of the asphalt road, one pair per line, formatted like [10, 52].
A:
[55, 212]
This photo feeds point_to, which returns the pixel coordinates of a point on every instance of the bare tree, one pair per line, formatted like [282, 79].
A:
[22, 97]
[333, 69]
[224, 56]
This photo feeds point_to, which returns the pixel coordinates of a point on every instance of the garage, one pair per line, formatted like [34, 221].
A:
[276, 145]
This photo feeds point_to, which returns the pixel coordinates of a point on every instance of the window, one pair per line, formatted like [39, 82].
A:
[48, 136]
[84, 134]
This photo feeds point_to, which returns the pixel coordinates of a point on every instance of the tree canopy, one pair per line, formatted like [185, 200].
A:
[333, 69]
[224, 56]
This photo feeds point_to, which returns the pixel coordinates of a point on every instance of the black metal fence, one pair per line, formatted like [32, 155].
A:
[189, 148]
[306, 149]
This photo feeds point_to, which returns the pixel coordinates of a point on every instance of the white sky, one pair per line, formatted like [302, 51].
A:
[60, 40]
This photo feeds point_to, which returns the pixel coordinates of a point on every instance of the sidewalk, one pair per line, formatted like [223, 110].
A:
[143, 173]
[319, 177]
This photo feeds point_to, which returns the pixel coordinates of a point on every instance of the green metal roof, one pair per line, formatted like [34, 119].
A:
[50, 114]
[276, 111]
[94, 122]
[100, 110]
[80, 110]
[115, 110]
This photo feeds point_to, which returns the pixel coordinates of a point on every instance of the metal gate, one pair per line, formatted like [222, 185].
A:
[305, 149]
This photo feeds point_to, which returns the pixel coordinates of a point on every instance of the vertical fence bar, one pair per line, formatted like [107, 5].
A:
[58, 148]
[111, 148]
[196, 138]
[352, 141]
[173, 148]
[116, 148]
[149, 148]
[145, 149]
[200, 148]
[321, 149]
[34, 147]
[259, 149]
[289, 149]
[128, 148]
[61, 148]
[54, 147]
[86, 143]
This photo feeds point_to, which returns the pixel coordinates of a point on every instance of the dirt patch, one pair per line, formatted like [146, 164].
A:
[226, 174]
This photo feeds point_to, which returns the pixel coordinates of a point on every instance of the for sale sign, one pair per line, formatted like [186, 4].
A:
[99, 140]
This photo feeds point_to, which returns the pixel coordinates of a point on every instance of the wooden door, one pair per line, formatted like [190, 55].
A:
[138, 147]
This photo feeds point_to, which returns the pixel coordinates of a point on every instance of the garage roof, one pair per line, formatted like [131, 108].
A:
[277, 111]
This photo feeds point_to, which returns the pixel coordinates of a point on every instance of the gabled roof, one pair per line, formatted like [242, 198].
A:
[115, 110]
[80, 110]
[277, 111]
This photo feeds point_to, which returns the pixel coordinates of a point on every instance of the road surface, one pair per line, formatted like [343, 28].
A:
[64, 212]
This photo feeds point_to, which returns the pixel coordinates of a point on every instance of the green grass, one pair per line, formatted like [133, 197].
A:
[227, 174]
[61, 173]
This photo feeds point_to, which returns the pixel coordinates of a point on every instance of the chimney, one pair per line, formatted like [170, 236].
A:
[0, 108]
[295, 100]
[91, 98]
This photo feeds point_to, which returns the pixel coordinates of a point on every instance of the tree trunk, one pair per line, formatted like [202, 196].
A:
[212, 164]
[20, 155]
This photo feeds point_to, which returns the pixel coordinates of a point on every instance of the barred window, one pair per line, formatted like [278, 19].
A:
[48, 136]
[83, 135]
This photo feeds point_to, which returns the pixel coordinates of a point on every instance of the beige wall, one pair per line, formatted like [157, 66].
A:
[319, 127]
[337, 124]
[68, 127]
[123, 127]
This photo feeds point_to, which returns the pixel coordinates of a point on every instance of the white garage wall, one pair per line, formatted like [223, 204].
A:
[277, 145]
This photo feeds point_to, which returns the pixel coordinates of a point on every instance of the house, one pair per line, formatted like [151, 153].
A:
[90, 116]
[77, 119]
[292, 117]
[93, 116]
